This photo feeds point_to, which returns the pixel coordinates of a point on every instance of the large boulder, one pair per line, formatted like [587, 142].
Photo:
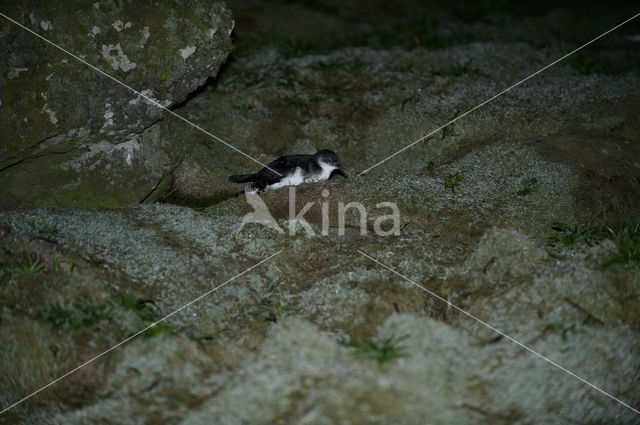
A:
[74, 137]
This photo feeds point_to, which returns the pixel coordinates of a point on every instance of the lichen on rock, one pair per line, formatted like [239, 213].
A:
[69, 109]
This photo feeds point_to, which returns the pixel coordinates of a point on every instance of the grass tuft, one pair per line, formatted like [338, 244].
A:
[452, 182]
[76, 316]
[529, 186]
[626, 235]
[160, 329]
[271, 311]
[380, 350]
[569, 235]
[30, 266]
[140, 306]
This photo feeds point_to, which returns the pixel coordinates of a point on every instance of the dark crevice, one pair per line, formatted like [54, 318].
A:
[160, 185]
[13, 164]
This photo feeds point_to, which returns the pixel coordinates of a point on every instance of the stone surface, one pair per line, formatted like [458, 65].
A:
[367, 104]
[74, 137]
[320, 334]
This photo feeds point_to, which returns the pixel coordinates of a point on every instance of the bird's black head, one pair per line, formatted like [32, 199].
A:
[326, 156]
[330, 158]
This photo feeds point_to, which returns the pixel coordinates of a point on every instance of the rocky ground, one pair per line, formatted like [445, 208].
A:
[523, 214]
[76, 137]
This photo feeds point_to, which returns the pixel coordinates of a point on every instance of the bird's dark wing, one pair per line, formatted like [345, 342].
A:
[282, 165]
[241, 178]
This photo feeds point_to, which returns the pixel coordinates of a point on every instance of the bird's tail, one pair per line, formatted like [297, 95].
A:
[242, 178]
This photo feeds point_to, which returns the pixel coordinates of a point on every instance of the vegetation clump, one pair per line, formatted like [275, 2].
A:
[452, 182]
[529, 186]
[271, 311]
[381, 350]
[624, 233]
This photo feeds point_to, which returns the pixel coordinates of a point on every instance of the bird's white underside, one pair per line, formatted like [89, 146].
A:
[297, 178]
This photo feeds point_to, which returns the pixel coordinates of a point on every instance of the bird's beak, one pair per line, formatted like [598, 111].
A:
[340, 170]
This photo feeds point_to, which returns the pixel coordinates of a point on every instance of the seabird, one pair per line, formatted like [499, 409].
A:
[294, 170]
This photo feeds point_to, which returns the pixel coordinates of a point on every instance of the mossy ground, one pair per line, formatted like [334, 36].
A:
[321, 334]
